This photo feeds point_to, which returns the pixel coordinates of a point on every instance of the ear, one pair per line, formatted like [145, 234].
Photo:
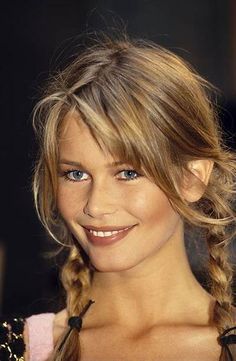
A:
[196, 178]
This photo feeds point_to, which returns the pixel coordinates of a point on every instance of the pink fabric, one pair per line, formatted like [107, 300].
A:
[40, 336]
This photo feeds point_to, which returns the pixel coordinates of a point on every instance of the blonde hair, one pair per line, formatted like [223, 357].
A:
[146, 106]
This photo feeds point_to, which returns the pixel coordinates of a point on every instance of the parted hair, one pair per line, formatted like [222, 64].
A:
[144, 105]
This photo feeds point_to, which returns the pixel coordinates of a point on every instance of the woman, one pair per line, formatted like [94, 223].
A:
[131, 152]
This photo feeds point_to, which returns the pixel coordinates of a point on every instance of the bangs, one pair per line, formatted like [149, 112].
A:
[119, 124]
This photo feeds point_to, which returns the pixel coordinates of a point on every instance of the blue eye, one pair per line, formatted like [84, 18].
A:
[74, 175]
[129, 174]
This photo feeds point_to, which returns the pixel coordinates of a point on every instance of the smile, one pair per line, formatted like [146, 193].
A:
[106, 234]
[105, 238]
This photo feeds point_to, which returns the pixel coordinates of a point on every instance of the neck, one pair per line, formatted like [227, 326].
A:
[155, 291]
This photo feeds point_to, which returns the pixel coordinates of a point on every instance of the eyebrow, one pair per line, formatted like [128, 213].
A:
[80, 165]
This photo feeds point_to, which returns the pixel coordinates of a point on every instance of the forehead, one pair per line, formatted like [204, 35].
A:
[72, 125]
[77, 143]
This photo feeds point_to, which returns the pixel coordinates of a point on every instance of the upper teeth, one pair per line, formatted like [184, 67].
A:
[106, 234]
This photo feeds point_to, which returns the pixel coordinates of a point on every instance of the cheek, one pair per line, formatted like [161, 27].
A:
[67, 202]
[156, 215]
[151, 204]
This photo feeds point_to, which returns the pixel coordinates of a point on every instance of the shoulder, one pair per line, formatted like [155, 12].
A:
[33, 337]
[38, 336]
[59, 324]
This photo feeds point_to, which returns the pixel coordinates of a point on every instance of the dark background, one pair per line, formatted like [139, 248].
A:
[36, 37]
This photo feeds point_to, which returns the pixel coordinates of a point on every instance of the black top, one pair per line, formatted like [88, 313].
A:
[12, 345]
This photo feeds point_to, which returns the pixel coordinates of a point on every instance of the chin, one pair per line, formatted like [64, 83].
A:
[114, 266]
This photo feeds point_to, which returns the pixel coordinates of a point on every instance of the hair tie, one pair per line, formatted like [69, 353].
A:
[227, 339]
[75, 322]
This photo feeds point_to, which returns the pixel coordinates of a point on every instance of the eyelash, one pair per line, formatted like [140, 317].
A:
[65, 175]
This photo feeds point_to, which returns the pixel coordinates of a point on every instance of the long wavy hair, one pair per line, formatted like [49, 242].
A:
[148, 107]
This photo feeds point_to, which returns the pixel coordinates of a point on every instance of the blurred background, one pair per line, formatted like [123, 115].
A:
[37, 37]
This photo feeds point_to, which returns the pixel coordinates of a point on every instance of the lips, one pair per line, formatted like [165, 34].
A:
[105, 228]
[107, 240]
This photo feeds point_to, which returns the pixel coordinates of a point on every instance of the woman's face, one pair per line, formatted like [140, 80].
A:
[94, 194]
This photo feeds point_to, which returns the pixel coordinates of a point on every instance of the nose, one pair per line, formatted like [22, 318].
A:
[100, 201]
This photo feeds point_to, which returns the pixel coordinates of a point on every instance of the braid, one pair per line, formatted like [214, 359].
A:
[221, 278]
[76, 281]
[218, 205]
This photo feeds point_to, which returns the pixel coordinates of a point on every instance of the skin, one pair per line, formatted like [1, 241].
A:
[143, 286]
